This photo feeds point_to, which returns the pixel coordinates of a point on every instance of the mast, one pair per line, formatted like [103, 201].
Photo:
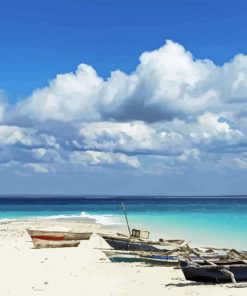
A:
[126, 218]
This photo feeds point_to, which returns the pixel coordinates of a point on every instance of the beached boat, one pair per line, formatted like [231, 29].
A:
[122, 256]
[159, 259]
[42, 243]
[131, 257]
[58, 235]
[162, 259]
[136, 244]
[138, 240]
[168, 258]
[216, 272]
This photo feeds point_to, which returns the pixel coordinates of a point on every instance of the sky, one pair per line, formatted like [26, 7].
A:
[123, 97]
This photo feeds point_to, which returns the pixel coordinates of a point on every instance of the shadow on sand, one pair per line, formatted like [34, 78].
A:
[191, 284]
[181, 285]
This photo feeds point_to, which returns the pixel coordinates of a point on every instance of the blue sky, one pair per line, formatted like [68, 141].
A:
[131, 113]
[42, 38]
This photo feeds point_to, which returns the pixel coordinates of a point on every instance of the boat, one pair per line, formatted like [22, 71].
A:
[160, 259]
[58, 235]
[43, 243]
[137, 244]
[135, 257]
[123, 256]
[215, 272]
[138, 240]
[169, 258]
[231, 267]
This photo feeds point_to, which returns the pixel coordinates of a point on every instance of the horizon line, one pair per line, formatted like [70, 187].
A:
[127, 196]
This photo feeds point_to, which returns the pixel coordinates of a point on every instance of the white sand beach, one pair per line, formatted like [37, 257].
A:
[84, 271]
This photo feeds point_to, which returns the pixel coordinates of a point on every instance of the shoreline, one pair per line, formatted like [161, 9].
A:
[92, 223]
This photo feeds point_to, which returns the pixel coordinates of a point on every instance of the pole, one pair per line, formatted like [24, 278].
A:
[126, 218]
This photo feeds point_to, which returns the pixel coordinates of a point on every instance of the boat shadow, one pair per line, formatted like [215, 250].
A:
[181, 285]
[191, 284]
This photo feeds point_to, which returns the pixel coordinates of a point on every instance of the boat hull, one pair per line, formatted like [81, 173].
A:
[129, 245]
[122, 257]
[40, 243]
[168, 260]
[134, 257]
[58, 235]
[213, 274]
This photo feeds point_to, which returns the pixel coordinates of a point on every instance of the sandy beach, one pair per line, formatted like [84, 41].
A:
[84, 271]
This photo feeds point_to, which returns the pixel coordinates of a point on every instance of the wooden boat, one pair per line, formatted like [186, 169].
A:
[169, 258]
[58, 235]
[229, 268]
[135, 257]
[159, 259]
[162, 259]
[123, 256]
[135, 244]
[42, 243]
[138, 240]
[216, 272]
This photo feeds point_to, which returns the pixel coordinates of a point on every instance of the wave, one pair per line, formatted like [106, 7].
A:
[100, 219]
[7, 219]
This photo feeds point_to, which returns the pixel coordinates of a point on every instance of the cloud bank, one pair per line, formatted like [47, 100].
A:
[172, 113]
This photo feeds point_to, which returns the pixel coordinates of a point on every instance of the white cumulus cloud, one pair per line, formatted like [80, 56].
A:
[168, 83]
[103, 158]
[68, 97]
[10, 135]
[37, 167]
[135, 137]
[171, 112]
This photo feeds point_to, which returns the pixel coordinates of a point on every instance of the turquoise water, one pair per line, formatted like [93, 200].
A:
[205, 221]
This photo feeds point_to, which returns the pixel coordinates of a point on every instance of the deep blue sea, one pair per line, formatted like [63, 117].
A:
[205, 221]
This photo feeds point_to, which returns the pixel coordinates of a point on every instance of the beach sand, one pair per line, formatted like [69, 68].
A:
[84, 270]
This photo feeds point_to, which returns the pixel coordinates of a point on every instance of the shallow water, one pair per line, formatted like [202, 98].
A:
[206, 221]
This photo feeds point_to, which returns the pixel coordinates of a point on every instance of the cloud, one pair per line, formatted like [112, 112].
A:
[37, 167]
[47, 155]
[241, 162]
[190, 155]
[212, 129]
[168, 83]
[95, 158]
[26, 137]
[129, 137]
[172, 113]
[68, 97]
[10, 135]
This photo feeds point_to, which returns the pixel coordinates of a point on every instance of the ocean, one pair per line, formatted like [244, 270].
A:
[200, 220]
